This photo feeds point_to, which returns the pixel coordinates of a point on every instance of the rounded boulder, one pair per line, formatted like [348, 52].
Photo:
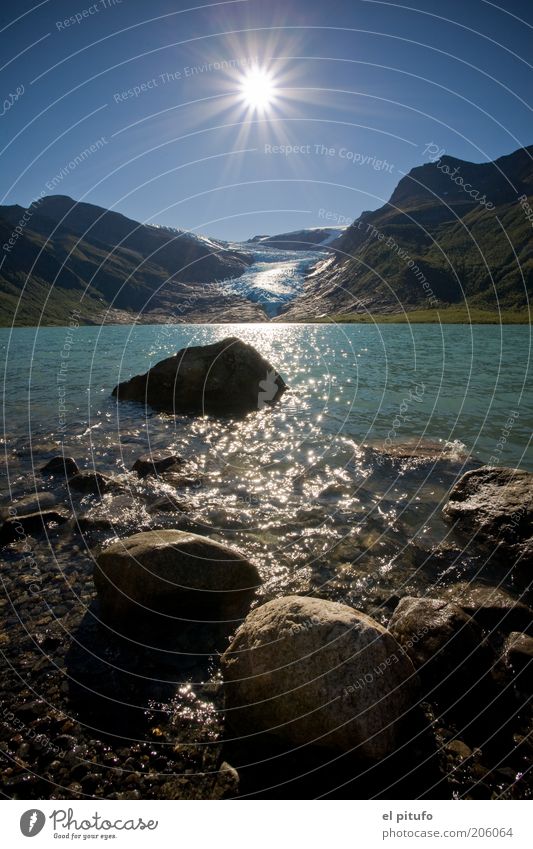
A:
[316, 672]
[174, 574]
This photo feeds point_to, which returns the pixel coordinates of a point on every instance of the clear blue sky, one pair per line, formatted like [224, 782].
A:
[370, 81]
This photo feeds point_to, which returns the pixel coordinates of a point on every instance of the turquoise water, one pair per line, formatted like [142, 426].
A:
[346, 382]
[308, 489]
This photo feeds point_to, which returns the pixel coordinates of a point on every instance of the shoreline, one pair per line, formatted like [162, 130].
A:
[449, 317]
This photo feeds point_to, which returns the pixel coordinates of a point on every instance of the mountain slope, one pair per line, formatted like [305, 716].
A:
[300, 240]
[58, 253]
[437, 242]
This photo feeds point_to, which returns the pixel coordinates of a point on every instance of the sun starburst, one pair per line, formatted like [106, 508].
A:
[258, 89]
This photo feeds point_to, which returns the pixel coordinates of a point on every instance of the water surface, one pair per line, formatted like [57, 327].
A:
[308, 488]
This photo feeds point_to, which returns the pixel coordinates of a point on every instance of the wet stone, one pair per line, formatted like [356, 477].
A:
[156, 462]
[91, 481]
[30, 523]
[60, 467]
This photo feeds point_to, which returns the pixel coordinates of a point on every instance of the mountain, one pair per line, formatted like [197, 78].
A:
[453, 232]
[59, 255]
[301, 240]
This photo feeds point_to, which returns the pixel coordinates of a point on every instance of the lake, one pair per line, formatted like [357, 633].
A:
[304, 487]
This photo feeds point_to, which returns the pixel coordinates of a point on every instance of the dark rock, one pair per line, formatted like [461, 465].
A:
[492, 607]
[34, 503]
[176, 574]
[30, 523]
[65, 742]
[155, 463]
[493, 507]
[90, 481]
[309, 671]
[61, 466]
[226, 378]
[443, 642]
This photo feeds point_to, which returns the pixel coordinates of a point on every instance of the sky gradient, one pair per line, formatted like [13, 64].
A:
[362, 88]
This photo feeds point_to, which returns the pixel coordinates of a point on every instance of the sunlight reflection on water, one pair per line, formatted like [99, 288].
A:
[297, 487]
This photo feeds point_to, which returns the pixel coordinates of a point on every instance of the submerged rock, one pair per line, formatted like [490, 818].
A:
[310, 671]
[493, 507]
[176, 574]
[420, 450]
[156, 462]
[91, 481]
[226, 378]
[60, 466]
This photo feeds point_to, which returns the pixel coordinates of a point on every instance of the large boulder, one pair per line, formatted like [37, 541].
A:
[310, 671]
[443, 642]
[228, 378]
[173, 573]
[494, 508]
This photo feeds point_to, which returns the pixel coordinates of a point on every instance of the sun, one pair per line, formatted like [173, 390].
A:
[258, 90]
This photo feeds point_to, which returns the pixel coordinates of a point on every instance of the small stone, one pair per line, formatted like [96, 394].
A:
[91, 781]
[75, 788]
[459, 750]
[91, 481]
[226, 783]
[65, 742]
[155, 463]
[518, 652]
